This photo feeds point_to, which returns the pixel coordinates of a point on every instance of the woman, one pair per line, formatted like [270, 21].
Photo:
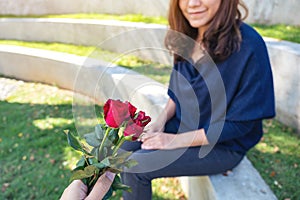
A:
[208, 125]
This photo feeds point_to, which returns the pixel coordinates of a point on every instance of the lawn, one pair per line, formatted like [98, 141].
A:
[36, 160]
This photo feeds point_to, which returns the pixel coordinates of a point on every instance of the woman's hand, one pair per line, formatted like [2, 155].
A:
[77, 190]
[159, 140]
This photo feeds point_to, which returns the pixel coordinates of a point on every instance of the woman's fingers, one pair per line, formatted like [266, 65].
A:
[147, 135]
[160, 141]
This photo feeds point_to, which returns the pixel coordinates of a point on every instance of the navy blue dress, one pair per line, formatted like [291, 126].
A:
[228, 99]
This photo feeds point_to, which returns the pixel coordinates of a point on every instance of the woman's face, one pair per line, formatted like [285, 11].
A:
[199, 13]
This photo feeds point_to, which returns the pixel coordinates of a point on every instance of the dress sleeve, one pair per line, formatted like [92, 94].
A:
[255, 93]
[219, 132]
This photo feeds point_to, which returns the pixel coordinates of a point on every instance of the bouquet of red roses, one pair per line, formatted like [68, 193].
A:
[123, 123]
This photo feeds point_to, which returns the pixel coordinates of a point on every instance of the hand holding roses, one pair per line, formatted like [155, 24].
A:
[123, 123]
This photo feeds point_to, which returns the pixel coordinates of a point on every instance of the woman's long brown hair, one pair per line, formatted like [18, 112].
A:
[220, 40]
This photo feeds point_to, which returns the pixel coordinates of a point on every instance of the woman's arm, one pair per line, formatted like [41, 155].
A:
[229, 130]
[161, 140]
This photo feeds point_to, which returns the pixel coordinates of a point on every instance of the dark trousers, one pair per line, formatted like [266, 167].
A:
[172, 163]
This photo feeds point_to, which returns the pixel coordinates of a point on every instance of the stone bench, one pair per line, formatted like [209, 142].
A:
[82, 75]
[243, 182]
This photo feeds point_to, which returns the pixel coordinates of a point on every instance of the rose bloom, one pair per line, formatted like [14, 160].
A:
[116, 112]
[136, 126]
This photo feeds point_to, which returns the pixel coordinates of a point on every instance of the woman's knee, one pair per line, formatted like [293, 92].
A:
[130, 146]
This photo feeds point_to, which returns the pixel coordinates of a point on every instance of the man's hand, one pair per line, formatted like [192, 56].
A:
[77, 190]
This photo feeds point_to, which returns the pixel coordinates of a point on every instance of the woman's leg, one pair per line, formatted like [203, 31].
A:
[172, 163]
[131, 146]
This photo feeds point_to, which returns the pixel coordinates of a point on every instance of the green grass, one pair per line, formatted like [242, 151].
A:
[36, 160]
[127, 17]
[279, 31]
[277, 159]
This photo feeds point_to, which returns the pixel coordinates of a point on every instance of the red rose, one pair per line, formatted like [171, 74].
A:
[116, 112]
[131, 109]
[142, 119]
[136, 126]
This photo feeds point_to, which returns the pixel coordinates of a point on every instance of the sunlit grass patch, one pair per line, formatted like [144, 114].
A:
[279, 31]
[98, 16]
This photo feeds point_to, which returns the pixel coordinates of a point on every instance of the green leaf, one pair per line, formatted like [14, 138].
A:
[117, 163]
[81, 162]
[117, 179]
[108, 194]
[130, 163]
[113, 136]
[100, 165]
[120, 158]
[108, 142]
[118, 185]
[78, 168]
[105, 162]
[99, 132]
[92, 139]
[95, 152]
[73, 142]
[87, 172]
[104, 152]
[121, 186]
[92, 160]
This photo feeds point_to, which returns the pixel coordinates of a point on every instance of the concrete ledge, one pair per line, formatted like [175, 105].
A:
[118, 7]
[128, 36]
[285, 59]
[101, 80]
[72, 31]
[244, 182]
